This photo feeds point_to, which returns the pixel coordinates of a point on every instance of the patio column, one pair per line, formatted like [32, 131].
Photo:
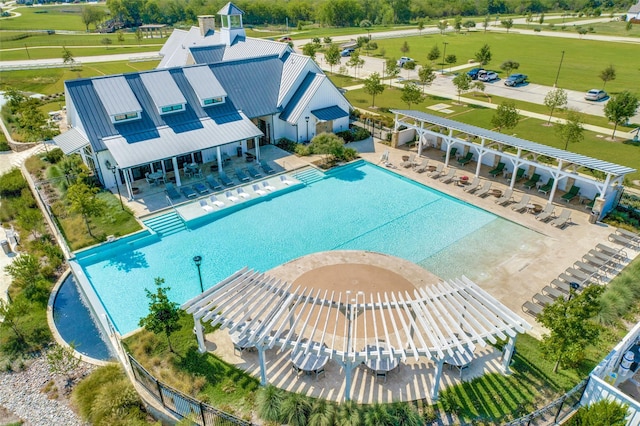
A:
[176, 170]
[263, 369]
[607, 181]
[348, 368]
[199, 334]
[508, 354]
[555, 182]
[516, 166]
[421, 135]
[256, 143]
[481, 152]
[436, 380]
[219, 157]
[448, 154]
[127, 183]
[395, 124]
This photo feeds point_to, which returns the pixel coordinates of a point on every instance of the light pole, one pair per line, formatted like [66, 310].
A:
[307, 120]
[113, 170]
[559, 66]
[444, 55]
[198, 261]
[574, 287]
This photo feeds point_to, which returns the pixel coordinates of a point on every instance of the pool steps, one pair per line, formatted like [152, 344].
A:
[166, 224]
[309, 176]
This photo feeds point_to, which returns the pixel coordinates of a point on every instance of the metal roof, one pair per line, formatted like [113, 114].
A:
[300, 99]
[207, 54]
[330, 113]
[292, 66]
[162, 88]
[537, 148]
[230, 9]
[204, 83]
[71, 141]
[116, 95]
[167, 142]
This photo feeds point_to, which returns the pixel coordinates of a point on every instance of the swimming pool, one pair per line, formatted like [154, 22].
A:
[356, 207]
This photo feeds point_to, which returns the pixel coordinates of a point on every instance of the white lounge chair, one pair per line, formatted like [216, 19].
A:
[547, 213]
[215, 201]
[485, 189]
[257, 190]
[437, 172]
[231, 197]
[206, 207]
[422, 167]
[449, 176]
[475, 184]
[506, 197]
[268, 187]
[524, 202]
[285, 180]
[563, 218]
[410, 162]
[243, 194]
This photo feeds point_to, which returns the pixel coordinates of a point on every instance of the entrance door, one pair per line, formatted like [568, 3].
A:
[264, 128]
[324, 127]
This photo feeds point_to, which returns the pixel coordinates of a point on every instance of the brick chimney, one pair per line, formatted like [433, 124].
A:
[206, 24]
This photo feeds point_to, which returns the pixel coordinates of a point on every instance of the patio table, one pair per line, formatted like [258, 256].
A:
[309, 362]
[380, 366]
[240, 344]
[459, 360]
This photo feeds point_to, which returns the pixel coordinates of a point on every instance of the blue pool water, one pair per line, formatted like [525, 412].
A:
[356, 207]
[75, 324]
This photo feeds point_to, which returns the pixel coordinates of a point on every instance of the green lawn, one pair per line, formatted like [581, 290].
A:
[77, 51]
[18, 39]
[64, 17]
[539, 57]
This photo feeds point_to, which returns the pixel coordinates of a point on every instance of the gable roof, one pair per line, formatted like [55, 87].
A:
[302, 96]
[230, 9]
[635, 8]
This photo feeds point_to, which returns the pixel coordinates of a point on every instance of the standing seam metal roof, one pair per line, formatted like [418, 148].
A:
[70, 141]
[203, 82]
[162, 89]
[301, 97]
[329, 113]
[116, 95]
[569, 157]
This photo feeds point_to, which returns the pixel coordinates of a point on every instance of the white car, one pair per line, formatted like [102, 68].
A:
[488, 76]
[404, 60]
[595, 95]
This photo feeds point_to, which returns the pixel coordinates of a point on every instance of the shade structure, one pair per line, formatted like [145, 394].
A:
[437, 322]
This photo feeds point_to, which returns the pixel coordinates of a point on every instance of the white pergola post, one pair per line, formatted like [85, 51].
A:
[348, 368]
[256, 143]
[508, 354]
[263, 369]
[421, 135]
[219, 157]
[555, 182]
[606, 186]
[436, 380]
[516, 166]
[480, 154]
[199, 334]
[126, 183]
[176, 169]
[395, 123]
[448, 154]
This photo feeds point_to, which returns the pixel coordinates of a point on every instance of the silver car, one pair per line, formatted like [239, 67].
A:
[595, 95]
[488, 76]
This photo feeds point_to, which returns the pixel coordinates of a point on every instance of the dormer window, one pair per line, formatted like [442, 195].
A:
[212, 101]
[117, 99]
[205, 84]
[171, 108]
[164, 92]
[118, 118]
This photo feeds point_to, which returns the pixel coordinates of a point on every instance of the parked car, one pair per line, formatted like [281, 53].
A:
[488, 76]
[595, 95]
[515, 79]
[347, 52]
[473, 73]
[285, 39]
[404, 60]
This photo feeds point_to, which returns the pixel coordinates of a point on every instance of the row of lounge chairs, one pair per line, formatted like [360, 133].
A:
[593, 267]
[233, 197]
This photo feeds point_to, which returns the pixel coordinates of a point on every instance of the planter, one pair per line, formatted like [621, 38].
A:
[135, 190]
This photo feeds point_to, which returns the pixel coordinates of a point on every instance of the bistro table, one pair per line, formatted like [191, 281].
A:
[380, 366]
[240, 344]
[157, 176]
[309, 362]
[459, 360]
[496, 192]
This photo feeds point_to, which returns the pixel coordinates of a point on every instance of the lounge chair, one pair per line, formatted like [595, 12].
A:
[520, 174]
[200, 188]
[622, 240]
[562, 220]
[243, 194]
[206, 207]
[589, 205]
[188, 192]
[499, 168]
[148, 179]
[573, 193]
[546, 187]
[268, 187]
[410, 162]
[466, 159]
[628, 234]
[522, 205]
[267, 168]
[485, 189]
[594, 260]
[225, 179]
[171, 191]
[257, 190]
[452, 152]
[213, 183]
[532, 308]
[284, 179]
[449, 176]
[214, 200]
[473, 186]
[231, 197]
[610, 251]
[437, 172]
[242, 177]
[422, 167]
[532, 182]
[547, 213]
[578, 274]
[506, 198]
[253, 172]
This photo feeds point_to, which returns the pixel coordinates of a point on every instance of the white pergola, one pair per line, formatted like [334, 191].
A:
[492, 145]
[438, 322]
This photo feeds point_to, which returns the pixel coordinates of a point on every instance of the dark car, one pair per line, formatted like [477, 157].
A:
[473, 73]
[515, 79]
[347, 52]
[284, 39]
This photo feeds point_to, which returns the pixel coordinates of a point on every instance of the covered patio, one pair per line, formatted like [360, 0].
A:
[404, 335]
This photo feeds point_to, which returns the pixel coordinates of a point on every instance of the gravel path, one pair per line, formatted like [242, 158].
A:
[21, 394]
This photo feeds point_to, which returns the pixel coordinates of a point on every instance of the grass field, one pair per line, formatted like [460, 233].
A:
[64, 17]
[539, 57]
[77, 51]
[18, 39]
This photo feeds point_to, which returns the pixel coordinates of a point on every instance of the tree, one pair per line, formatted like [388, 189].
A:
[310, 49]
[392, 69]
[555, 99]
[411, 94]
[409, 66]
[571, 130]
[506, 116]
[478, 86]
[164, 315]
[541, 19]
[603, 412]
[462, 82]
[332, 56]
[62, 361]
[139, 35]
[327, 40]
[23, 270]
[607, 74]
[484, 55]
[331, 145]
[485, 23]
[570, 326]
[457, 23]
[507, 23]
[451, 59]
[434, 53]
[67, 56]
[420, 25]
[405, 47]
[529, 18]
[33, 122]
[106, 41]
[620, 109]
[120, 37]
[508, 66]
[442, 26]
[84, 201]
[91, 15]
[427, 75]
[469, 24]
[355, 62]
[581, 31]
[13, 316]
[373, 86]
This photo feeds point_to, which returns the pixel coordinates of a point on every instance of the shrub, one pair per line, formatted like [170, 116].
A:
[12, 184]
[286, 144]
[269, 403]
[55, 155]
[603, 412]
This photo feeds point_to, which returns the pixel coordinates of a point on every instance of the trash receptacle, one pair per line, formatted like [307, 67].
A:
[5, 246]
[239, 151]
[594, 217]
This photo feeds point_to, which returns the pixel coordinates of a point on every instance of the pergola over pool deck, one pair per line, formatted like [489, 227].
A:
[440, 322]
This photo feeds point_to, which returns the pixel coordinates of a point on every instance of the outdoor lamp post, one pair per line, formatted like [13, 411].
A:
[555, 84]
[574, 286]
[444, 55]
[307, 120]
[113, 170]
[198, 261]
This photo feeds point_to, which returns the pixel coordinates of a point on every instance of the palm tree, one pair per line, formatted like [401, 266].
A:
[404, 414]
[377, 415]
[296, 409]
[323, 413]
[270, 403]
[348, 414]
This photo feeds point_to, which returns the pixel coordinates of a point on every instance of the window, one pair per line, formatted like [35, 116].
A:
[212, 101]
[125, 117]
[171, 108]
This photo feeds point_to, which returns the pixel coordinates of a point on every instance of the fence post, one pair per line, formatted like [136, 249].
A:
[160, 391]
[204, 421]
[555, 418]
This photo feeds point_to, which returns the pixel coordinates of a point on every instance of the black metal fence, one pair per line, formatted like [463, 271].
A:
[555, 412]
[180, 404]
